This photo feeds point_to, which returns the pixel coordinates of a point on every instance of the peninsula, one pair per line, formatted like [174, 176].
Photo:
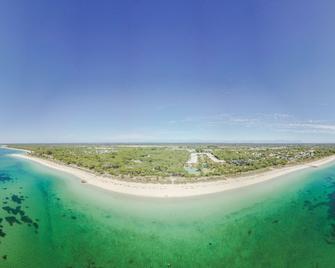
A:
[176, 170]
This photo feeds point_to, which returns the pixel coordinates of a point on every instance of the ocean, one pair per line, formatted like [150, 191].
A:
[50, 219]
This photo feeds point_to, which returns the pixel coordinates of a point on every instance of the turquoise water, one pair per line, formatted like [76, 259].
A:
[49, 219]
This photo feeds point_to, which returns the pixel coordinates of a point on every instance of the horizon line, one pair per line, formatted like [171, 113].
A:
[170, 142]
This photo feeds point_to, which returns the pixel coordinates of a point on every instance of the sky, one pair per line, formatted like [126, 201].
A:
[167, 71]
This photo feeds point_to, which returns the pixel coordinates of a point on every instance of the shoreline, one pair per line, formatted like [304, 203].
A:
[14, 149]
[173, 190]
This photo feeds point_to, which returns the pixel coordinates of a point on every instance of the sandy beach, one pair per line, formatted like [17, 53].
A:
[173, 190]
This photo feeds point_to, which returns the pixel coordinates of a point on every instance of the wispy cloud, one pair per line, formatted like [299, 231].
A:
[311, 127]
[275, 121]
[215, 119]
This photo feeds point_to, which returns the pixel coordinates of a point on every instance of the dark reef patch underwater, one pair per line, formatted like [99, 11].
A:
[5, 178]
[15, 215]
[48, 219]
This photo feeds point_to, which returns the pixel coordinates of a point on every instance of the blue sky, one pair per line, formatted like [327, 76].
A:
[167, 71]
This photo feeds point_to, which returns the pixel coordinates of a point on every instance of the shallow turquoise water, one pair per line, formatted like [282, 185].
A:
[49, 219]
